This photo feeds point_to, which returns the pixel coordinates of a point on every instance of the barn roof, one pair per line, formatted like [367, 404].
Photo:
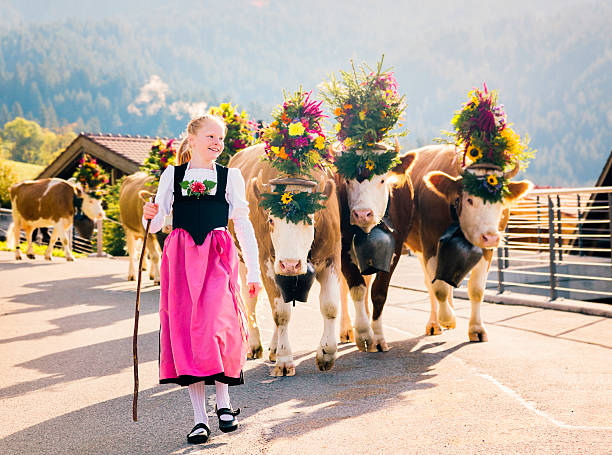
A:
[122, 154]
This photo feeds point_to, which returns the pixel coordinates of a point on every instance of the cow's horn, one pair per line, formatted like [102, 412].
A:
[458, 166]
[508, 175]
[397, 146]
[261, 186]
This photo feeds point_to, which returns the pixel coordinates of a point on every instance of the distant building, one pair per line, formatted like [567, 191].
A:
[119, 155]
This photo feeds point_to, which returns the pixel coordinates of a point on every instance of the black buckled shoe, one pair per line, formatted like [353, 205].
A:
[198, 437]
[227, 425]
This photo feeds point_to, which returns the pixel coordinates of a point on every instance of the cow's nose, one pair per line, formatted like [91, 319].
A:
[490, 239]
[363, 216]
[290, 266]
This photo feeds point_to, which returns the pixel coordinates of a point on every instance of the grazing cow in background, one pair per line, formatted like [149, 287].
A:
[284, 249]
[437, 184]
[135, 191]
[363, 204]
[48, 203]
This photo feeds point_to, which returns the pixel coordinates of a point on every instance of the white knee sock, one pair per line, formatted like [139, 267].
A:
[198, 401]
[223, 400]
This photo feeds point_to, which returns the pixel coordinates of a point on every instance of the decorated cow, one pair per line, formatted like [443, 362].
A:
[374, 194]
[462, 194]
[294, 211]
[49, 203]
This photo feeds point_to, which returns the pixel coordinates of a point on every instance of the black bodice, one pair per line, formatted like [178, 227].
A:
[199, 216]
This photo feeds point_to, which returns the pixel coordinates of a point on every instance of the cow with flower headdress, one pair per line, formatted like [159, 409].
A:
[462, 194]
[374, 193]
[294, 212]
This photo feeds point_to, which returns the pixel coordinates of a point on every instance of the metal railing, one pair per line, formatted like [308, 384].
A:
[558, 244]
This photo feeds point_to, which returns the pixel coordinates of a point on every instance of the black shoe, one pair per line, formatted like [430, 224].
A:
[200, 437]
[227, 425]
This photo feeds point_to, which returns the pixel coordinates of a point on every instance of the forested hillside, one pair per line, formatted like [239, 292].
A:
[139, 67]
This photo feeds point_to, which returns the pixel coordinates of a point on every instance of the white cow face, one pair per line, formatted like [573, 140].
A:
[291, 243]
[479, 220]
[92, 207]
[368, 199]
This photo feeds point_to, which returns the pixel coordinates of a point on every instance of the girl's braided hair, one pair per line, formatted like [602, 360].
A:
[184, 152]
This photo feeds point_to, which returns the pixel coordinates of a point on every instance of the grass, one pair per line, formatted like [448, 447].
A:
[25, 171]
[39, 250]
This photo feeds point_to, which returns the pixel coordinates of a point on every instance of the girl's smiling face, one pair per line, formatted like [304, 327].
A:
[207, 142]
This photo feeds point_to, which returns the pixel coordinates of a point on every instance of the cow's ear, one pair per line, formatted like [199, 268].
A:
[257, 186]
[406, 162]
[516, 190]
[78, 189]
[444, 185]
[329, 188]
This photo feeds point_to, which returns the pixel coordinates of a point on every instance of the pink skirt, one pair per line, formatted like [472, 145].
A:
[203, 329]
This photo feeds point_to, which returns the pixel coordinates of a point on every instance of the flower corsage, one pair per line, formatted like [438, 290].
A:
[197, 188]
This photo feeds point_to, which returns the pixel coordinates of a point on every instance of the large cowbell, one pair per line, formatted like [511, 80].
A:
[456, 256]
[296, 287]
[373, 251]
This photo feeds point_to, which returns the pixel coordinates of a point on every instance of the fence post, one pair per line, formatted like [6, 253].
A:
[551, 250]
[539, 231]
[99, 251]
[610, 221]
[580, 253]
[500, 271]
[559, 228]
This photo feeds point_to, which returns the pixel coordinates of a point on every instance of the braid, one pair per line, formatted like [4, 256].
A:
[184, 151]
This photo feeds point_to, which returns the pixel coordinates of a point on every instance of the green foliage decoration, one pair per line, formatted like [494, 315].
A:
[353, 165]
[295, 206]
[490, 187]
[160, 157]
[90, 175]
[113, 236]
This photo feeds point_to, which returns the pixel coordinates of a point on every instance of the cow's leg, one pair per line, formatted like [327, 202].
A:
[63, 233]
[130, 244]
[16, 238]
[358, 290]
[52, 239]
[29, 230]
[441, 291]
[368, 282]
[329, 300]
[433, 326]
[256, 351]
[476, 286]
[154, 254]
[346, 325]
[380, 288]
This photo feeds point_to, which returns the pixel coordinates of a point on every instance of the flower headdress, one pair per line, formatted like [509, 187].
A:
[296, 145]
[160, 157]
[239, 130]
[295, 142]
[367, 106]
[90, 175]
[485, 139]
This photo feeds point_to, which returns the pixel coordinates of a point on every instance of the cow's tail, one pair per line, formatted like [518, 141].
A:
[10, 237]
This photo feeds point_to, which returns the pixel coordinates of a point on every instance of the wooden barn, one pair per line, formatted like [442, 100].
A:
[119, 155]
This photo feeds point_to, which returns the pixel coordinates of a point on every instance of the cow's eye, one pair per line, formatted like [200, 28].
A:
[470, 201]
[382, 181]
[271, 221]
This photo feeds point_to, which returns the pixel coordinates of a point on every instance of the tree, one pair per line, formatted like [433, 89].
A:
[7, 178]
[22, 139]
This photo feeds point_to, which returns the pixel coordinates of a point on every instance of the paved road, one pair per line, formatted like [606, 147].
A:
[542, 384]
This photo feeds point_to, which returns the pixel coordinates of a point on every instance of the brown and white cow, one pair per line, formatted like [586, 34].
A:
[285, 248]
[48, 203]
[437, 184]
[363, 204]
[134, 192]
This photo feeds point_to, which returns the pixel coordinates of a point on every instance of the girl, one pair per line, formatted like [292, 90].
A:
[203, 331]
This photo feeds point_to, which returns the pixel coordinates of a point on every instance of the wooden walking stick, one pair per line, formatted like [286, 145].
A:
[136, 314]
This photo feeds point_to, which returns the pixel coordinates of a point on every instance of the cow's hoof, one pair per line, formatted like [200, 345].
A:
[30, 256]
[272, 355]
[156, 282]
[364, 341]
[450, 323]
[18, 258]
[447, 317]
[347, 336]
[255, 352]
[325, 361]
[382, 346]
[433, 328]
[283, 369]
[70, 259]
[48, 258]
[477, 333]
[131, 278]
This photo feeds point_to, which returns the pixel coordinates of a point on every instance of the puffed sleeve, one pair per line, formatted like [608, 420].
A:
[239, 213]
[164, 197]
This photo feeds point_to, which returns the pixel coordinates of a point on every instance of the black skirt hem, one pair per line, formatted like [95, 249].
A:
[185, 379]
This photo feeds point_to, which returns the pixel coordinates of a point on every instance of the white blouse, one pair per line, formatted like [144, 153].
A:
[238, 210]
